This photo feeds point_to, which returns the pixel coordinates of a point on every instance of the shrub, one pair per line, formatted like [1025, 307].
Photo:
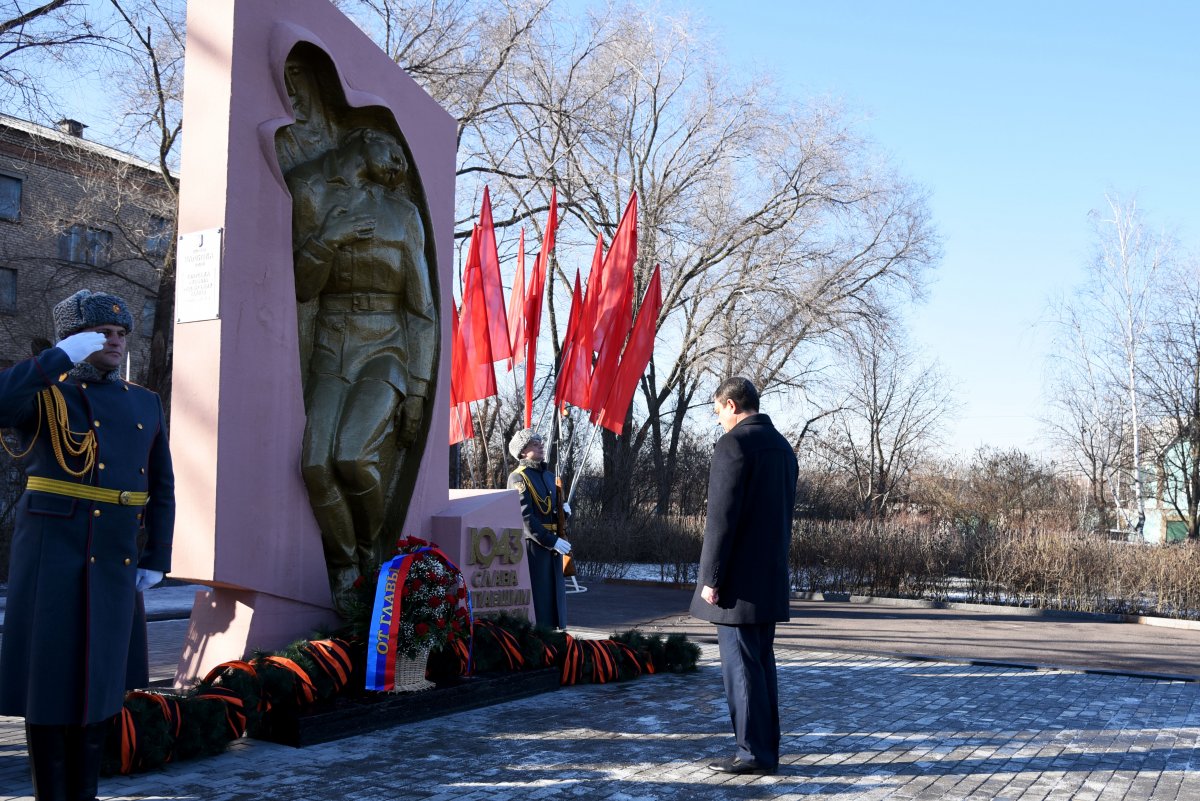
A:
[1044, 568]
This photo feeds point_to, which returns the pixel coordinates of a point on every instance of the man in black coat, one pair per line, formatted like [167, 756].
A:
[93, 529]
[743, 585]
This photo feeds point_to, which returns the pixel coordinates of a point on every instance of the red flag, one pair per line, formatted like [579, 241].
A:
[610, 299]
[533, 305]
[575, 367]
[568, 343]
[460, 376]
[461, 426]
[493, 290]
[605, 370]
[634, 360]
[593, 283]
[474, 330]
[516, 309]
[612, 304]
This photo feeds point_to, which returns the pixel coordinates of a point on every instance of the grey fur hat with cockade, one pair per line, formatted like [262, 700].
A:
[87, 309]
[521, 440]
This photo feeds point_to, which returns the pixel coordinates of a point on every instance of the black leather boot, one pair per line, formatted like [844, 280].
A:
[48, 761]
[85, 752]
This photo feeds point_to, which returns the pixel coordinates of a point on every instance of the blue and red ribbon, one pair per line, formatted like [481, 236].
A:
[383, 647]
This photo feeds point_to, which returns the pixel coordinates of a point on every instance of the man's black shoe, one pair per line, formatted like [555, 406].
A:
[735, 765]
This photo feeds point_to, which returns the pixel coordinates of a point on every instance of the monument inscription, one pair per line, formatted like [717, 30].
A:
[492, 572]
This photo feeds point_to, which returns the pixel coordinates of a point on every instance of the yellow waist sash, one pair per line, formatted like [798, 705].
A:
[87, 492]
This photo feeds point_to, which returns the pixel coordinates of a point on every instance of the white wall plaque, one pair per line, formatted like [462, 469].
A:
[198, 276]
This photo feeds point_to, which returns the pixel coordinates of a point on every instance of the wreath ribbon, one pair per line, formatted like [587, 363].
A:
[383, 646]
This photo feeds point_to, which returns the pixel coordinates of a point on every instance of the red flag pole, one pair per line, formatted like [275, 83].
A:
[470, 461]
[542, 413]
[533, 305]
[516, 320]
[583, 460]
[516, 309]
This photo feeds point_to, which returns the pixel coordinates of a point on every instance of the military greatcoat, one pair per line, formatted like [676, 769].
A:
[539, 508]
[71, 600]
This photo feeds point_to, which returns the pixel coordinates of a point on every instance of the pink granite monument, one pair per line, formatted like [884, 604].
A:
[261, 77]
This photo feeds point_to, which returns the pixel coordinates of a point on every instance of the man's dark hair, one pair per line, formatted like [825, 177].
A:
[739, 390]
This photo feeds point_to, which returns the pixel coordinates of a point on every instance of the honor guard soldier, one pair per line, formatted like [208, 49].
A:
[93, 529]
[544, 543]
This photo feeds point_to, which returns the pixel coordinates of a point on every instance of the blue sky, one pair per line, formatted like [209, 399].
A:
[1017, 117]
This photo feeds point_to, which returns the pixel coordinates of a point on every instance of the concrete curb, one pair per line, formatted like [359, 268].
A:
[919, 603]
[994, 663]
[1022, 611]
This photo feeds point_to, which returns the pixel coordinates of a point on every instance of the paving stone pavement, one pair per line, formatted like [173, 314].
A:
[856, 728]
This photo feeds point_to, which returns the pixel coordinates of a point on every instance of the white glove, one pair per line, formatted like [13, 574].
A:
[562, 546]
[79, 346]
[147, 579]
[567, 508]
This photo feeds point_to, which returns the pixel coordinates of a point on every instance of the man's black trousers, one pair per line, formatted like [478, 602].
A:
[751, 689]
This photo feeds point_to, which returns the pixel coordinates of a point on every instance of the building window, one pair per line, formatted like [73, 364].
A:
[8, 289]
[147, 324]
[83, 244]
[158, 237]
[10, 198]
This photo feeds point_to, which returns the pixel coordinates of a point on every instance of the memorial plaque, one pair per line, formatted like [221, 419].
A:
[198, 276]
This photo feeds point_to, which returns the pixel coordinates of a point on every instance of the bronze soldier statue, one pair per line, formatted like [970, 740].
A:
[359, 250]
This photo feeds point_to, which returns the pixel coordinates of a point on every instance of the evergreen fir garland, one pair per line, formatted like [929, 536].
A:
[269, 693]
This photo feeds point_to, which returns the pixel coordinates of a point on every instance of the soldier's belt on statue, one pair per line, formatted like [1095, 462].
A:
[87, 492]
[361, 301]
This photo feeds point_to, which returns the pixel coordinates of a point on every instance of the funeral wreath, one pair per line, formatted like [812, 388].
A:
[419, 601]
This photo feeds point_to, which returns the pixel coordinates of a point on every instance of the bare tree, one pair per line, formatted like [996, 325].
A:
[1009, 487]
[1113, 313]
[773, 223]
[1091, 419]
[150, 72]
[892, 408]
[138, 50]
[1169, 374]
[38, 38]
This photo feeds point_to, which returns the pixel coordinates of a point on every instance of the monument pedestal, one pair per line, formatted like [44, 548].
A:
[227, 624]
[483, 534]
[480, 531]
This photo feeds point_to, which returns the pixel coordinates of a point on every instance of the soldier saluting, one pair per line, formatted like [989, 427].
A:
[99, 479]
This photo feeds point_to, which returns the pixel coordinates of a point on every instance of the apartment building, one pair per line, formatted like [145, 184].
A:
[74, 214]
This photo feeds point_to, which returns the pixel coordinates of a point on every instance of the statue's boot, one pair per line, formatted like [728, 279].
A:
[337, 536]
[342, 583]
[373, 543]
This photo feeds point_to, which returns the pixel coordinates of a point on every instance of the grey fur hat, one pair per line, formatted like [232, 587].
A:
[87, 309]
[521, 440]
